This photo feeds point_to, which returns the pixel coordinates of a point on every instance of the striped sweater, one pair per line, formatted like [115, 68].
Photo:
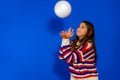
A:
[81, 61]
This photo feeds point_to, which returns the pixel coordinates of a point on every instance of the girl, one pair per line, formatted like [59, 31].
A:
[80, 54]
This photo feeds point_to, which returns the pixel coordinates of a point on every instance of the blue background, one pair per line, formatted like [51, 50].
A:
[30, 41]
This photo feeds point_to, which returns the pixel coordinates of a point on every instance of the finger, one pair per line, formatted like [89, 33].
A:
[63, 32]
[69, 30]
[72, 30]
[71, 34]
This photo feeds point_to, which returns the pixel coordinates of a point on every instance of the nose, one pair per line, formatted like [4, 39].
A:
[78, 29]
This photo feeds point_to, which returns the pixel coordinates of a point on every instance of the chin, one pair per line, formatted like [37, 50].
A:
[78, 34]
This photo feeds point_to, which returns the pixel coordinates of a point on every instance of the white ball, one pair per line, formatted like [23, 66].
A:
[62, 9]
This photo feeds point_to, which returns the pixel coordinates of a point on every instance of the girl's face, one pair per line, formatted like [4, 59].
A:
[81, 30]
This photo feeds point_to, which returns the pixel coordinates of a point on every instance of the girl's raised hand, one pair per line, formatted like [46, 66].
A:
[67, 34]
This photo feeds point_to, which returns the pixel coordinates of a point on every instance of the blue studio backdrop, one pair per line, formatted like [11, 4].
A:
[30, 41]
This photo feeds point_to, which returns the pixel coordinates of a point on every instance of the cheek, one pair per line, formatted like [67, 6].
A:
[85, 32]
[81, 32]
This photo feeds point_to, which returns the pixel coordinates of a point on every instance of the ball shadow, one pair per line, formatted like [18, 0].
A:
[55, 25]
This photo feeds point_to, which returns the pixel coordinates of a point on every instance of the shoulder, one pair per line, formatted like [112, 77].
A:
[89, 44]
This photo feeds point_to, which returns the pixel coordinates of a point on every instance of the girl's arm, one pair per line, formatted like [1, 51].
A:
[65, 42]
[65, 51]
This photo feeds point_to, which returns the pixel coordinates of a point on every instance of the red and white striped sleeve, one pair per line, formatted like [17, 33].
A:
[65, 51]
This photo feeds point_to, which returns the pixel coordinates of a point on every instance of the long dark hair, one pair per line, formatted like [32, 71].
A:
[89, 37]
